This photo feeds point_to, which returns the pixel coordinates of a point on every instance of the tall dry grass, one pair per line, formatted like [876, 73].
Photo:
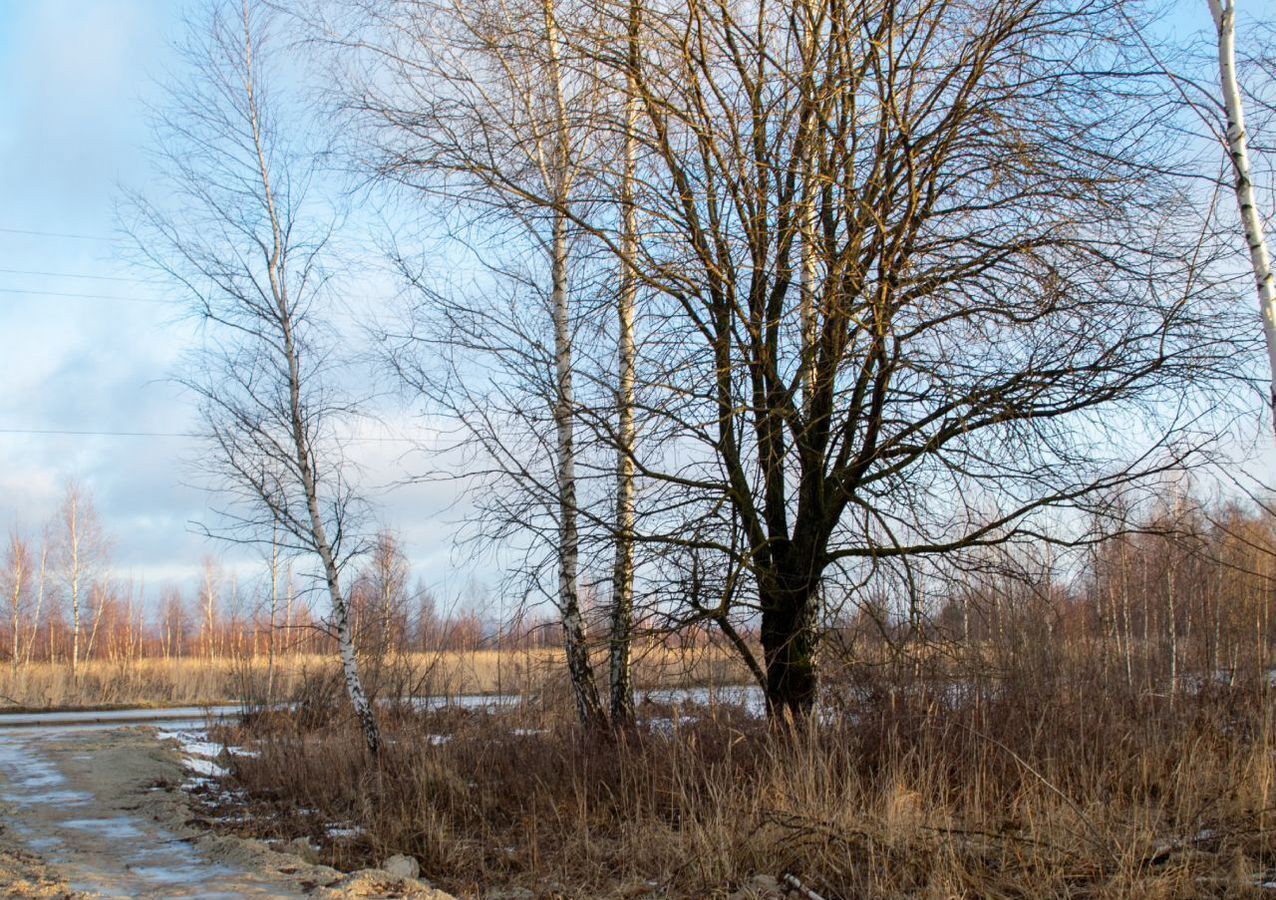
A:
[911, 784]
[226, 680]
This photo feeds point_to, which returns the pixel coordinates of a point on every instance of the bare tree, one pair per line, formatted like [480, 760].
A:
[248, 247]
[482, 107]
[274, 613]
[41, 587]
[920, 279]
[622, 582]
[912, 266]
[17, 584]
[83, 548]
[209, 597]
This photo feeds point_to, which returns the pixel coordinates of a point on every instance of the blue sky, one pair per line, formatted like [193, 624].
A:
[77, 77]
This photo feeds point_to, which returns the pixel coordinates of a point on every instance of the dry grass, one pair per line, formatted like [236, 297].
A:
[199, 680]
[1058, 788]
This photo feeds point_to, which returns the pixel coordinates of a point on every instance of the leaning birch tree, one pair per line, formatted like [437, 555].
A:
[249, 249]
[1224, 15]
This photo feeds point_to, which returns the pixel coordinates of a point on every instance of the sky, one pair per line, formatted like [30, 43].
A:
[90, 343]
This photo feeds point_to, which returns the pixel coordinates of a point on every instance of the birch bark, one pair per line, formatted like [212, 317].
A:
[622, 698]
[73, 546]
[1224, 15]
[18, 572]
[39, 599]
[584, 688]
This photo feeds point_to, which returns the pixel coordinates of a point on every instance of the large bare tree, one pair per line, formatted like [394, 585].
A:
[244, 234]
[919, 274]
[924, 272]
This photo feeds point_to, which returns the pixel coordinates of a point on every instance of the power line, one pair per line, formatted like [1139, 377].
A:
[67, 432]
[57, 234]
[71, 275]
[73, 433]
[77, 296]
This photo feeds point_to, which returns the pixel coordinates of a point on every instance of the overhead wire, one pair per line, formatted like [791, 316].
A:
[4, 229]
[69, 432]
[72, 275]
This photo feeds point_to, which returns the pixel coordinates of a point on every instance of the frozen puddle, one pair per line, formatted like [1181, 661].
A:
[78, 809]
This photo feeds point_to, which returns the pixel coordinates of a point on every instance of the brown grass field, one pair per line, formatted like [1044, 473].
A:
[1023, 784]
[1034, 772]
[193, 681]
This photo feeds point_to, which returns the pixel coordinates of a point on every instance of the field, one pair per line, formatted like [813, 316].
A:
[915, 783]
[193, 681]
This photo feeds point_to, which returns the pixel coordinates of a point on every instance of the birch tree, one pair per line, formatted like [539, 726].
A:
[483, 109]
[17, 587]
[41, 584]
[622, 582]
[246, 237]
[1223, 13]
[83, 546]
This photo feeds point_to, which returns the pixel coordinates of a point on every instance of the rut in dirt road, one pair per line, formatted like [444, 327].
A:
[77, 800]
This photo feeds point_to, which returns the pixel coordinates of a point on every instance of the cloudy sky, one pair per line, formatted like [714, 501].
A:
[89, 345]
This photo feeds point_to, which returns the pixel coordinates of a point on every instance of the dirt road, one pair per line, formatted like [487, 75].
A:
[100, 813]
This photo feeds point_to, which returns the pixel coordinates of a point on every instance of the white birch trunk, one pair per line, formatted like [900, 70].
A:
[1224, 14]
[622, 587]
[39, 600]
[574, 632]
[274, 607]
[100, 593]
[210, 593]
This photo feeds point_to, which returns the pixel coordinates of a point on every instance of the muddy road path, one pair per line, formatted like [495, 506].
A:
[98, 810]
[84, 813]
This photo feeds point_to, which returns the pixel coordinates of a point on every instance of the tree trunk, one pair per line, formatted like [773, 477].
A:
[39, 602]
[588, 704]
[1224, 14]
[274, 608]
[622, 615]
[788, 642]
[73, 538]
[19, 575]
[301, 438]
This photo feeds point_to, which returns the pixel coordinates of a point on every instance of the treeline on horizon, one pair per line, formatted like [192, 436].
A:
[1177, 591]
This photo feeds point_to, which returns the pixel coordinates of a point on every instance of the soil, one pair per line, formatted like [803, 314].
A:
[102, 813]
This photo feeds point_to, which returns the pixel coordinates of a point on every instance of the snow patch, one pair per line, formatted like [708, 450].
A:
[204, 767]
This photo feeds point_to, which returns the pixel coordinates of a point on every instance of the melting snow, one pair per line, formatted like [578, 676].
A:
[204, 767]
